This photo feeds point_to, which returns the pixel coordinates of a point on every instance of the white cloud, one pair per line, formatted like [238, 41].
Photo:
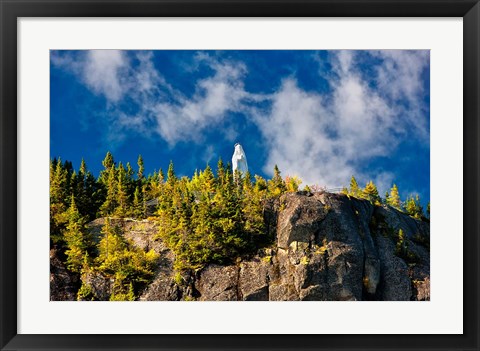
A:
[325, 139]
[214, 97]
[103, 71]
[160, 108]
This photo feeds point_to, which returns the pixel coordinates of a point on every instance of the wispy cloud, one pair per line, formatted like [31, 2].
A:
[327, 138]
[103, 71]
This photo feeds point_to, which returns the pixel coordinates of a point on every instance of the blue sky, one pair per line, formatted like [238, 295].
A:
[321, 115]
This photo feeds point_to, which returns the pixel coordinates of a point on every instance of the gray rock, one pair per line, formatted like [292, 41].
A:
[395, 280]
[253, 280]
[218, 283]
[101, 286]
[299, 220]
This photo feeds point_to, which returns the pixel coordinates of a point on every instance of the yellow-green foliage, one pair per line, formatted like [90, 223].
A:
[85, 293]
[120, 293]
[355, 190]
[178, 278]
[413, 207]
[401, 249]
[129, 266]
[370, 193]
[394, 198]
[267, 259]
[321, 250]
[292, 183]
[214, 218]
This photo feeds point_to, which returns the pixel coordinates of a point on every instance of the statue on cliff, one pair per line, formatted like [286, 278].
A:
[239, 159]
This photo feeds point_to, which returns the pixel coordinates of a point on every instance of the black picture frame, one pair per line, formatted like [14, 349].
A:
[11, 10]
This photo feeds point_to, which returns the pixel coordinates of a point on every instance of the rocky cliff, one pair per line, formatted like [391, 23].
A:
[327, 247]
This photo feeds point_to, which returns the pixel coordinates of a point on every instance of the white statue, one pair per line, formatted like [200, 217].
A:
[239, 159]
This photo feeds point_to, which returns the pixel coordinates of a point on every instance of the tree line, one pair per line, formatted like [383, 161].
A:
[411, 206]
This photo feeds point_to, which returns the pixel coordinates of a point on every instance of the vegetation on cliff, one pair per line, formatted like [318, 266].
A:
[212, 217]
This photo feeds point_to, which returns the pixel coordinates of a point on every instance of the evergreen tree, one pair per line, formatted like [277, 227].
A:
[209, 184]
[144, 201]
[110, 204]
[276, 186]
[137, 207]
[413, 207]
[171, 177]
[58, 184]
[122, 199]
[292, 183]
[354, 188]
[108, 163]
[58, 203]
[371, 193]
[394, 198]
[141, 168]
[220, 172]
[75, 239]
[130, 182]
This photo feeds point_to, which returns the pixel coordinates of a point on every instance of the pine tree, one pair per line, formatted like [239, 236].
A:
[413, 207]
[144, 201]
[394, 198]
[208, 181]
[220, 172]
[75, 239]
[276, 186]
[171, 177]
[354, 188]
[108, 163]
[130, 182]
[371, 193]
[58, 203]
[122, 198]
[137, 207]
[110, 204]
[141, 168]
[58, 184]
[252, 210]
[110, 248]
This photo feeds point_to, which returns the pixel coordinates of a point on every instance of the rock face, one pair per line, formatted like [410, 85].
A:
[63, 283]
[328, 247]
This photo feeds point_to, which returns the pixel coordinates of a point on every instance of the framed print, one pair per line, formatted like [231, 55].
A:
[239, 175]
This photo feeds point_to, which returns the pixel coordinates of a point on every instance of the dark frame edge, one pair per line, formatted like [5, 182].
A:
[471, 166]
[8, 175]
[9, 340]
